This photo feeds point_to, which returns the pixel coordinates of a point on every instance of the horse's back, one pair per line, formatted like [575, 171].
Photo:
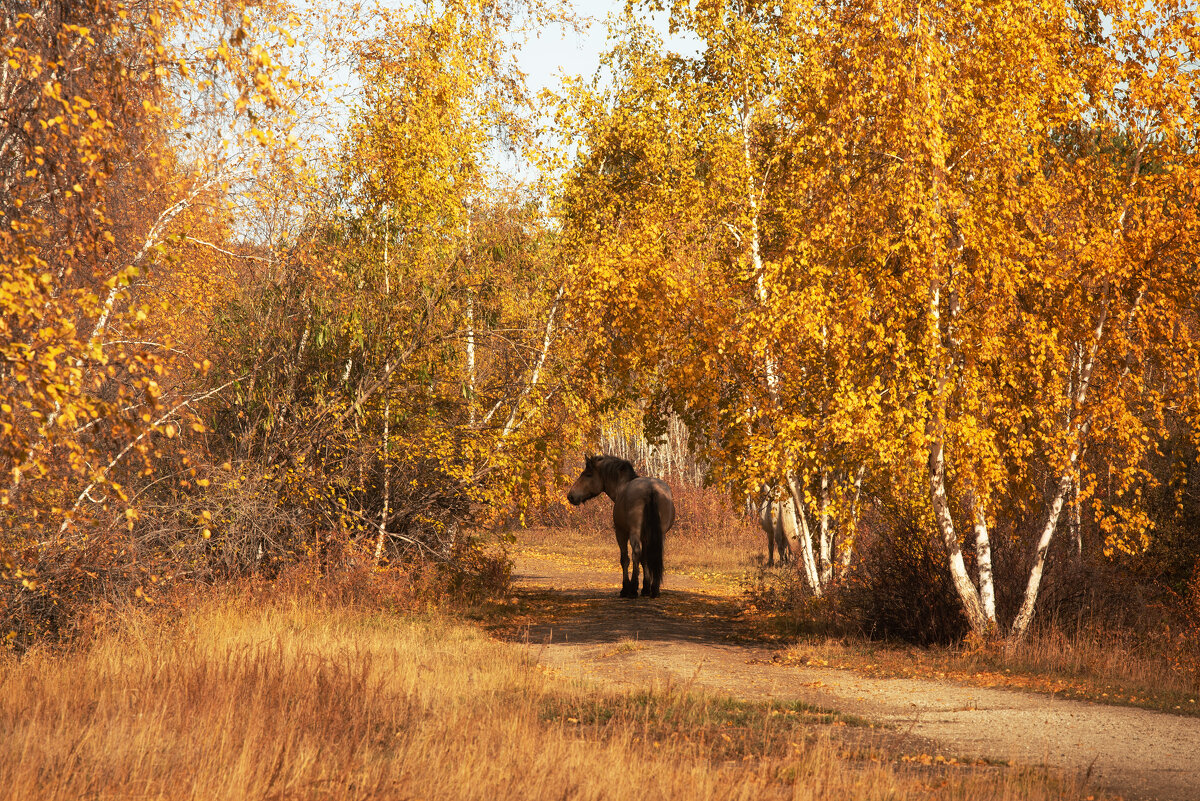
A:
[637, 492]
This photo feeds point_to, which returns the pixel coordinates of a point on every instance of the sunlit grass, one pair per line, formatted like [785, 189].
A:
[291, 697]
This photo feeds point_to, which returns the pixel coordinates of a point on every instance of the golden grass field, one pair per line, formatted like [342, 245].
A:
[283, 694]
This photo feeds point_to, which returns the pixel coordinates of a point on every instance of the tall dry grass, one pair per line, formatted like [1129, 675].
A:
[240, 696]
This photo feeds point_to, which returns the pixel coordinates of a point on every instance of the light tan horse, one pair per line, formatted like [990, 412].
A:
[778, 522]
[643, 512]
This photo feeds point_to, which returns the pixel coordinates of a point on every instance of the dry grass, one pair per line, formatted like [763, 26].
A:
[293, 697]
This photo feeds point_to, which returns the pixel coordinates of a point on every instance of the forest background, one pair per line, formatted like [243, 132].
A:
[924, 270]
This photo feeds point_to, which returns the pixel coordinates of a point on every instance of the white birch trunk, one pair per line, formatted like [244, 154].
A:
[963, 586]
[300, 348]
[471, 357]
[1079, 435]
[983, 556]
[760, 281]
[547, 338]
[387, 476]
[387, 410]
[1025, 615]
[1075, 521]
[847, 544]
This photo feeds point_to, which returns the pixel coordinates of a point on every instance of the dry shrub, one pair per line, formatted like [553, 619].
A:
[472, 574]
[61, 592]
[899, 589]
[1184, 641]
[65, 594]
[708, 514]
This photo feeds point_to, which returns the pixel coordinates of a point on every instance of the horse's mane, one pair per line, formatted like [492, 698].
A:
[615, 467]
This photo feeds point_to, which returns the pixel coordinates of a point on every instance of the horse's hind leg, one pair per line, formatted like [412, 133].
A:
[635, 545]
[628, 588]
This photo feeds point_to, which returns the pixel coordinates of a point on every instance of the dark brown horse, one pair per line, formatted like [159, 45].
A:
[642, 513]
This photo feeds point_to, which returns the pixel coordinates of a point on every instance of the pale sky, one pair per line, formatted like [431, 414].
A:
[559, 53]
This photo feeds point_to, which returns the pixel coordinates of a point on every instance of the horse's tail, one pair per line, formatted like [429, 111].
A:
[652, 538]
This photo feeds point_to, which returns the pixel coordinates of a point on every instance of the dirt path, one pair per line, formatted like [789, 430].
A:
[689, 636]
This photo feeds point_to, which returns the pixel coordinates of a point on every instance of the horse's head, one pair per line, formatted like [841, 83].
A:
[589, 484]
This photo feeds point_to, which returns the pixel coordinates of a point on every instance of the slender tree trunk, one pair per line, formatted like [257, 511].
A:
[847, 543]
[983, 556]
[760, 281]
[1075, 521]
[826, 535]
[1025, 615]
[300, 348]
[387, 476]
[967, 594]
[471, 357]
[1080, 425]
[547, 339]
[387, 418]
[935, 433]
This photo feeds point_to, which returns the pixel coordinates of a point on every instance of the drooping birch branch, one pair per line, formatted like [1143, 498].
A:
[70, 516]
[535, 376]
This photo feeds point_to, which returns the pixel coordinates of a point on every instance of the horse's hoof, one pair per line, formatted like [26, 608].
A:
[627, 593]
[647, 592]
[654, 592]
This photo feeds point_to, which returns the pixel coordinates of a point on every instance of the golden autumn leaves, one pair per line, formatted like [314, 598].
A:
[928, 244]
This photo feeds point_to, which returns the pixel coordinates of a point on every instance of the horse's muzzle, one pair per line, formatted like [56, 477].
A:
[575, 499]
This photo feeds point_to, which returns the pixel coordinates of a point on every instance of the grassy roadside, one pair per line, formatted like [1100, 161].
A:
[284, 695]
[1081, 668]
